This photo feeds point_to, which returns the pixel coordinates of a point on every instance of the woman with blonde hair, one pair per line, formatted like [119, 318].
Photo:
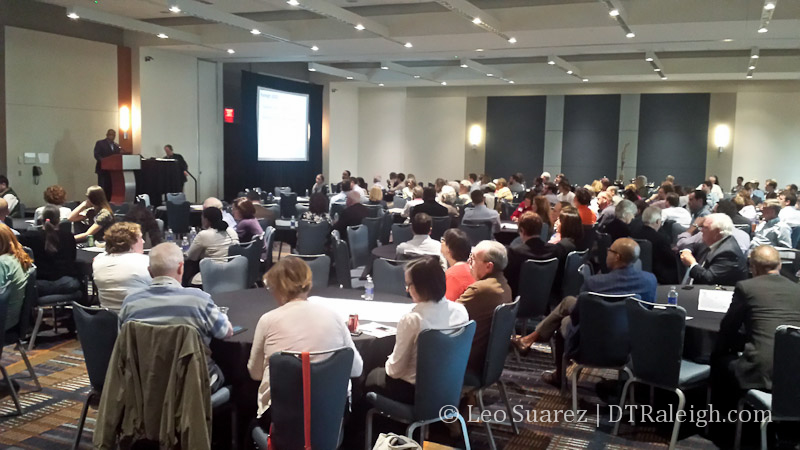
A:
[376, 196]
[96, 210]
[295, 325]
[14, 265]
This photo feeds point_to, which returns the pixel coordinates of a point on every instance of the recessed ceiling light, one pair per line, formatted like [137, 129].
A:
[359, 27]
[656, 70]
[727, 40]
[231, 51]
[477, 21]
[380, 84]
[749, 76]
[478, 49]
[752, 67]
[551, 62]
[569, 72]
[444, 83]
[384, 68]
[416, 76]
[489, 74]
[512, 40]
[754, 56]
[763, 30]
[464, 66]
[255, 31]
[293, 2]
[630, 35]
[649, 59]
[73, 16]
[311, 69]
[510, 81]
[174, 9]
[162, 35]
[349, 78]
[769, 6]
[408, 45]
[585, 80]
[314, 48]
[613, 13]
[663, 78]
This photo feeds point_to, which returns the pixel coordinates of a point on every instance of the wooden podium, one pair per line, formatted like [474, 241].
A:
[120, 169]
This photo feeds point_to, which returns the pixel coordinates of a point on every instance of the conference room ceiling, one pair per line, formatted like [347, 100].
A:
[693, 40]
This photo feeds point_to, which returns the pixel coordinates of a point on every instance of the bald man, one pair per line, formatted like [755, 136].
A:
[622, 278]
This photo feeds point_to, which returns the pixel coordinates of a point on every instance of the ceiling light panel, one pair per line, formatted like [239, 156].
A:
[566, 67]
[336, 72]
[477, 16]
[655, 63]
[93, 15]
[766, 15]
[617, 12]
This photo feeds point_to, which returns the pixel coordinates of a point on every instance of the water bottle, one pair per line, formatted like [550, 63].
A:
[672, 297]
[192, 235]
[170, 237]
[306, 192]
[185, 244]
[369, 289]
[294, 222]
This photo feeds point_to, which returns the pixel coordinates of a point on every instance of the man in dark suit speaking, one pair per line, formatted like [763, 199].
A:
[102, 149]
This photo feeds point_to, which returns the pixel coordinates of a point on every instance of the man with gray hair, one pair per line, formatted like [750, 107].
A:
[213, 202]
[486, 263]
[721, 261]
[772, 230]
[166, 302]
[663, 258]
[618, 227]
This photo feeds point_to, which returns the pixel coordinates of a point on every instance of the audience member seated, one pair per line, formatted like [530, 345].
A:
[674, 212]
[721, 261]
[54, 254]
[352, 215]
[317, 209]
[166, 302]
[480, 213]
[7, 221]
[213, 202]
[421, 243]
[357, 184]
[261, 211]
[95, 212]
[772, 231]
[289, 282]
[376, 197]
[624, 213]
[417, 194]
[532, 247]
[425, 282]
[341, 196]
[692, 238]
[14, 264]
[697, 205]
[429, 205]
[122, 269]
[502, 192]
[213, 241]
[8, 194]
[464, 188]
[526, 205]
[622, 278]
[490, 290]
[789, 214]
[726, 206]
[54, 195]
[141, 215]
[605, 208]
[516, 183]
[456, 249]
[320, 187]
[569, 232]
[247, 226]
[581, 201]
[664, 259]
[447, 198]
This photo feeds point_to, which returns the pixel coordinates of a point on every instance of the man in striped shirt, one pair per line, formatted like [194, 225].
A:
[166, 302]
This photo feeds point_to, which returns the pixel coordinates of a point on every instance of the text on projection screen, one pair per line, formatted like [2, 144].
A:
[282, 125]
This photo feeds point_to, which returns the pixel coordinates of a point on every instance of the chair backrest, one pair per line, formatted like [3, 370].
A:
[747, 228]
[439, 225]
[341, 258]
[401, 232]
[600, 250]
[336, 210]
[269, 239]
[389, 276]
[786, 366]
[645, 254]
[545, 235]
[252, 251]
[536, 280]
[507, 209]
[281, 190]
[358, 240]
[374, 210]
[224, 276]
[373, 226]
[176, 197]
[29, 302]
[656, 337]
[329, 379]
[320, 266]
[399, 201]
[385, 235]
[604, 337]
[121, 209]
[288, 204]
[497, 349]
[4, 293]
[97, 332]
[573, 279]
[796, 237]
[312, 237]
[178, 217]
[477, 232]
[441, 363]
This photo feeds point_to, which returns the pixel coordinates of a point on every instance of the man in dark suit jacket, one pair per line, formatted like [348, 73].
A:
[182, 166]
[664, 262]
[429, 205]
[487, 262]
[759, 306]
[722, 262]
[532, 247]
[102, 149]
[352, 215]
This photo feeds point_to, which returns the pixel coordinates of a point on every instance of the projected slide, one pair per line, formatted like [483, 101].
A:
[282, 125]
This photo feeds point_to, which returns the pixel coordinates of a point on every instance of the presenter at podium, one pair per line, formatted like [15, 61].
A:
[170, 154]
[104, 148]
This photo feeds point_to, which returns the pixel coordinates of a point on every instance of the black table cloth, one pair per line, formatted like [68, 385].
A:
[158, 177]
[701, 330]
[388, 251]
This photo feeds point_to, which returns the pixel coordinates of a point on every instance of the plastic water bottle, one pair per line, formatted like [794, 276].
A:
[369, 289]
[170, 237]
[294, 222]
[185, 244]
[672, 297]
[192, 235]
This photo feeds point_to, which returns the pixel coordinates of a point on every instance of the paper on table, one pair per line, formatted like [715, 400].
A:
[714, 300]
[377, 330]
[396, 210]
[509, 226]
[366, 310]
[283, 222]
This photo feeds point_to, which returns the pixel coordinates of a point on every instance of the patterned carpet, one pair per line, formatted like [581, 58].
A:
[51, 415]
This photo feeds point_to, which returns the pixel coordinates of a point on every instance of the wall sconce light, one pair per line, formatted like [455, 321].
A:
[475, 136]
[124, 121]
[722, 136]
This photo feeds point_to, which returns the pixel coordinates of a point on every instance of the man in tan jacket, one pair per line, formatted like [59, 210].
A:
[487, 261]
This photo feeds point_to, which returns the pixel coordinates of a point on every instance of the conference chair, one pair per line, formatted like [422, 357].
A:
[439, 225]
[312, 237]
[252, 251]
[358, 240]
[536, 281]
[178, 217]
[545, 234]
[645, 254]
[656, 345]
[12, 389]
[677, 229]
[97, 330]
[389, 276]
[279, 191]
[573, 278]
[796, 237]
[477, 232]
[441, 364]
[597, 256]
[20, 212]
[52, 302]
[335, 210]
[790, 262]
[401, 232]
[320, 266]
[782, 401]
[224, 274]
[269, 241]
[346, 277]
[327, 400]
[386, 229]
[496, 351]
[747, 228]
[288, 205]
[374, 210]
[373, 226]
[603, 341]
[175, 197]
[121, 209]
[142, 198]
[507, 209]
[399, 202]
[22, 329]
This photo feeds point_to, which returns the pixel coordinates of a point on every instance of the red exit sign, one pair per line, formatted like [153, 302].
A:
[228, 115]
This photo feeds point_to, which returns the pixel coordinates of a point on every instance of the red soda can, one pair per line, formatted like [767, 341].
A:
[352, 323]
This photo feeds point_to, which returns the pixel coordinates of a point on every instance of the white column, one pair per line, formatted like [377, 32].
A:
[628, 136]
[553, 134]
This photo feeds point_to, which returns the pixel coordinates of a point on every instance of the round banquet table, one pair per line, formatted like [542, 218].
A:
[701, 326]
[247, 306]
[388, 251]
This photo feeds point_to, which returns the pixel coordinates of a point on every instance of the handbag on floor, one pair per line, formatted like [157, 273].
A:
[391, 441]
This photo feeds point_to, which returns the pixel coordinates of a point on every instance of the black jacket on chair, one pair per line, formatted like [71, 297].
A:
[533, 248]
[431, 208]
[665, 264]
[725, 265]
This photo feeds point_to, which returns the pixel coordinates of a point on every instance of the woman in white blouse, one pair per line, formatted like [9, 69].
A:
[122, 269]
[296, 325]
[425, 281]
